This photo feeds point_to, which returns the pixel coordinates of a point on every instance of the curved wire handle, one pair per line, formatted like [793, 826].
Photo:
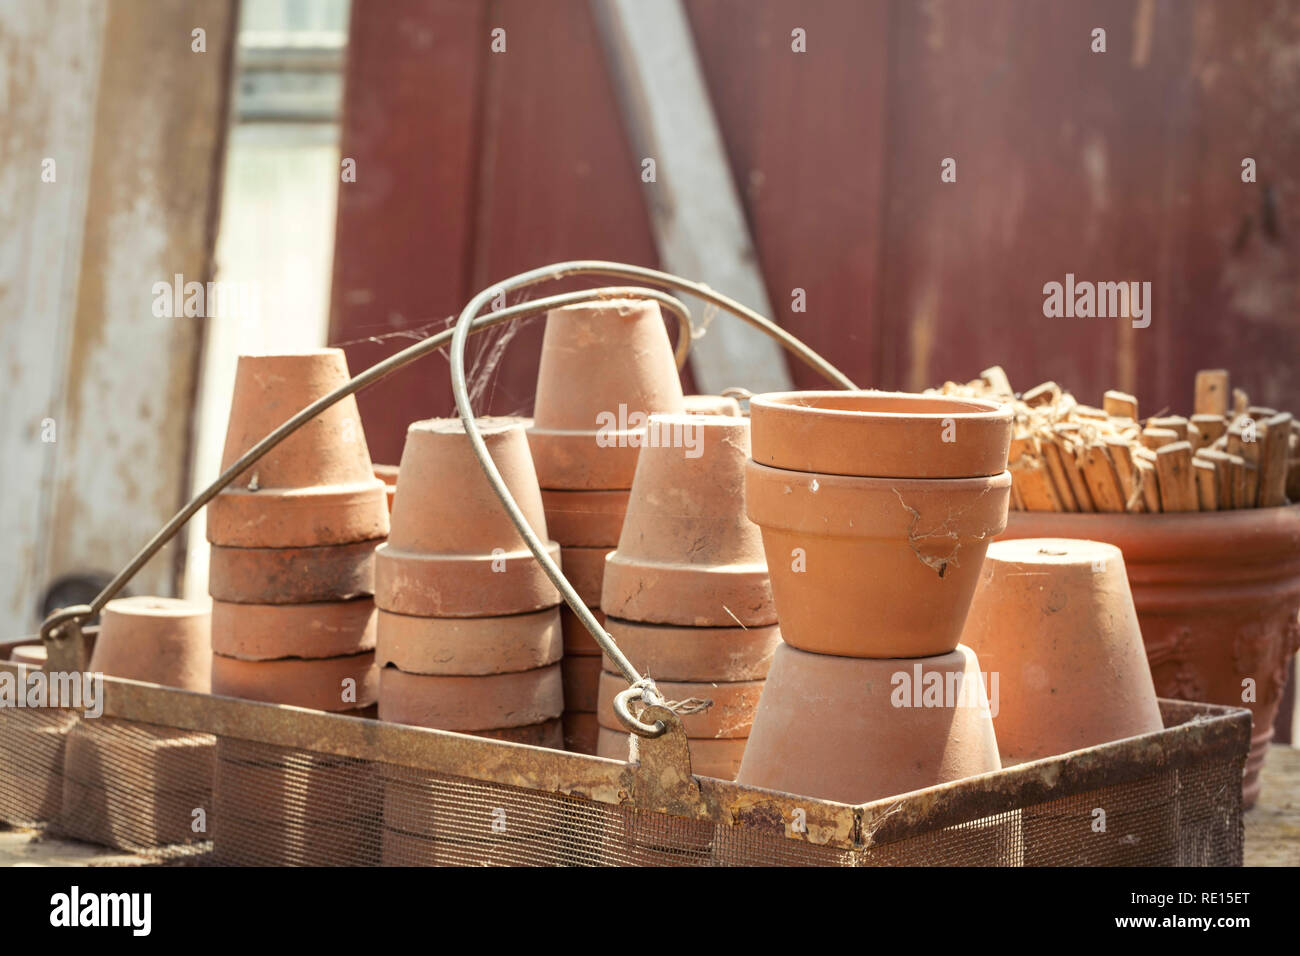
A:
[642, 687]
[380, 370]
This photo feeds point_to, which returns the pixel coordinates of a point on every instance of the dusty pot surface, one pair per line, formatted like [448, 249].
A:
[453, 551]
[881, 434]
[259, 632]
[675, 653]
[688, 554]
[161, 640]
[855, 730]
[330, 683]
[729, 717]
[874, 567]
[719, 759]
[603, 369]
[1054, 621]
[1217, 596]
[585, 519]
[317, 486]
[335, 572]
[462, 646]
[471, 703]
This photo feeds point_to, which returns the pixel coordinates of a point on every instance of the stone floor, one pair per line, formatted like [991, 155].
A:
[1272, 828]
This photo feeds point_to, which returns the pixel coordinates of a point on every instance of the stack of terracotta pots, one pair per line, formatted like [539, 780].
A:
[604, 369]
[293, 541]
[131, 785]
[686, 594]
[876, 510]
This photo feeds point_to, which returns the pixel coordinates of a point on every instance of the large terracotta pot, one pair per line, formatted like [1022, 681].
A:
[604, 368]
[881, 434]
[316, 487]
[1053, 619]
[1217, 596]
[856, 730]
[161, 640]
[874, 567]
[688, 555]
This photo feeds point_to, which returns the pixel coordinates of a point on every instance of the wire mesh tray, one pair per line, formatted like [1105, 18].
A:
[185, 777]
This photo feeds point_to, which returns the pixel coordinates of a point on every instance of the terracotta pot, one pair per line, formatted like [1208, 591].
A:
[580, 732]
[578, 641]
[881, 434]
[711, 405]
[719, 759]
[160, 640]
[581, 683]
[316, 684]
[695, 653]
[317, 486]
[603, 369]
[453, 551]
[471, 703]
[874, 567]
[1217, 596]
[260, 632]
[466, 646]
[1053, 619]
[549, 734]
[35, 655]
[585, 569]
[388, 475]
[729, 717]
[855, 730]
[336, 572]
[587, 519]
[688, 555]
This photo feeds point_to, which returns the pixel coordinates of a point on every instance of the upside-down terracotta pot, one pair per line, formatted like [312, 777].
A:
[578, 641]
[666, 652]
[465, 646]
[586, 519]
[881, 434]
[855, 730]
[33, 655]
[1217, 596]
[874, 567]
[688, 555]
[1054, 621]
[161, 640]
[585, 570]
[453, 551]
[335, 572]
[328, 683]
[316, 487]
[728, 718]
[260, 632]
[604, 368]
[471, 704]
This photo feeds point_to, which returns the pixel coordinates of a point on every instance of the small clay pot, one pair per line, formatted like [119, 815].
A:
[580, 732]
[585, 570]
[331, 683]
[465, 646]
[471, 704]
[161, 640]
[711, 405]
[881, 434]
[855, 730]
[316, 487]
[585, 519]
[35, 655]
[453, 551]
[874, 567]
[581, 683]
[729, 717]
[673, 653]
[1217, 596]
[604, 367]
[578, 641]
[1054, 620]
[688, 555]
[261, 632]
[335, 572]
[719, 759]
[388, 475]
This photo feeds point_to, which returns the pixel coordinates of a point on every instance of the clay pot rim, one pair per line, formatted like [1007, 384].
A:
[622, 305]
[487, 425]
[962, 409]
[296, 353]
[148, 605]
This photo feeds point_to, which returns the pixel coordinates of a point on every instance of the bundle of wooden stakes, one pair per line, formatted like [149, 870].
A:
[1071, 457]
